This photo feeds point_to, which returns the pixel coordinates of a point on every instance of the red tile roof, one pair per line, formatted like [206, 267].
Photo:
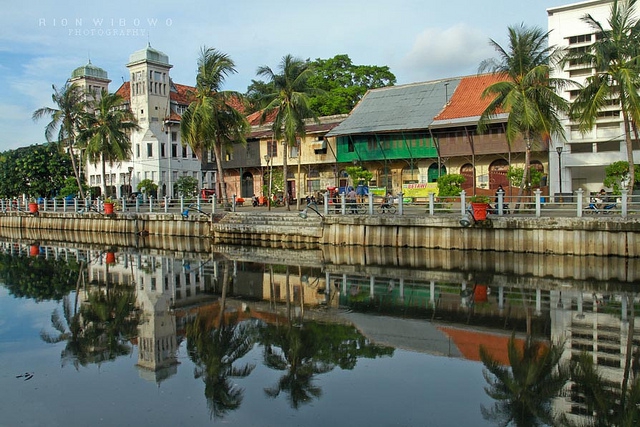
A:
[467, 100]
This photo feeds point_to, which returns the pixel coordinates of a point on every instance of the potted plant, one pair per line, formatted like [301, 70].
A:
[33, 206]
[479, 206]
[108, 206]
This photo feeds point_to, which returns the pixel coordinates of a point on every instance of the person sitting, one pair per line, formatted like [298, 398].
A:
[386, 203]
[600, 199]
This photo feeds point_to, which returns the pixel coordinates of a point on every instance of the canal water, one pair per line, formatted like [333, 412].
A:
[103, 335]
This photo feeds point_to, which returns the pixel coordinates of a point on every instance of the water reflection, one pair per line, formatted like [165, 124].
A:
[310, 311]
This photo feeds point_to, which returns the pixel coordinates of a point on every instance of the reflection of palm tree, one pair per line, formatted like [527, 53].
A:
[611, 403]
[100, 330]
[296, 357]
[524, 392]
[214, 352]
[76, 349]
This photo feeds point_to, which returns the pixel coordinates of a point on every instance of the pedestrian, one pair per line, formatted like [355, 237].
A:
[351, 200]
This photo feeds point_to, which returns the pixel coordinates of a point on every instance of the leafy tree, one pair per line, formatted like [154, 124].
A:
[211, 121]
[450, 185]
[290, 103]
[617, 176]
[70, 188]
[106, 132]
[342, 84]
[515, 175]
[148, 187]
[614, 55]
[187, 186]
[66, 120]
[527, 93]
[524, 392]
[357, 174]
[338, 82]
[37, 170]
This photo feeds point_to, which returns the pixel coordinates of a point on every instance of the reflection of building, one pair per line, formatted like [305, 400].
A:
[597, 325]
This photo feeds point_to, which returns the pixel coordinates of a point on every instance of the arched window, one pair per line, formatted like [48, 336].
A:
[433, 174]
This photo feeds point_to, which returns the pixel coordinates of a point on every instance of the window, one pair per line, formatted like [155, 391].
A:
[350, 146]
[162, 150]
[272, 148]
[372, 144]
[149, 149]
[174, 150]
[174, 136]
[138, 150]
[583, 38]
[184, 152]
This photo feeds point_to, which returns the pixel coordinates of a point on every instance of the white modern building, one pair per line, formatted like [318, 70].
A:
[157, 152]
[582, 158]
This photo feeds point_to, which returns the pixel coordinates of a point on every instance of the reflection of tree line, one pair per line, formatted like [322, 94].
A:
[524, 392]
[300, 349]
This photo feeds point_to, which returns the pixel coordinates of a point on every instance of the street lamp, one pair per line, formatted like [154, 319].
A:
[559, 150]
[130, 173]
[267, 158]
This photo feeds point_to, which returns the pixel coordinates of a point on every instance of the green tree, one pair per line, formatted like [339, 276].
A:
[106, 132]
[615, 57]
[342, 84]
[617, 176]
[290, 102]
[524, 392]
[66, 120]
[211, 121]
[450, 185]
[148, 187]
[515, 175]
[187, 186]
[358, 174]
[527, 93]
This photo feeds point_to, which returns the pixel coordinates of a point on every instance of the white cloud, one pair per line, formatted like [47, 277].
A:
[452, 52]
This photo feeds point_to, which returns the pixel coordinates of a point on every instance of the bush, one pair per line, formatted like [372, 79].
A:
[450, 185]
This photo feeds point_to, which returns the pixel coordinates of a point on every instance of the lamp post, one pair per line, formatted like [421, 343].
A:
[559, 150]
[130, 173]
[267, 158]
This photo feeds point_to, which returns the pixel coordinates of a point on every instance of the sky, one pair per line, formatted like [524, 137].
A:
[42, 42]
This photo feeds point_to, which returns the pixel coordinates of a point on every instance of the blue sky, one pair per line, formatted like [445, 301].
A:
[42, 42]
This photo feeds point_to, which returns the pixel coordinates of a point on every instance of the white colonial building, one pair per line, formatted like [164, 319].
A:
[582, 158]
[157, 152]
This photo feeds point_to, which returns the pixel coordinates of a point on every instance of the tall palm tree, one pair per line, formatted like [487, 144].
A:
[290, 102]
[106, 132]
[66, 120]
[527, 93]
[524, 391]
[615, 57]
[211, 121]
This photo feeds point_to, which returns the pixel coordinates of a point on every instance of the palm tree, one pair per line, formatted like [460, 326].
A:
[66, 120]
[524, 391]
[106, 132]
[527, 93]
[290, 102]
[615, 56]
[211, 121]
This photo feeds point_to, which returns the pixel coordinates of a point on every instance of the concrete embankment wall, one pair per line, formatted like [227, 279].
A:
[141, 224]
[566, 236]
[602, 236]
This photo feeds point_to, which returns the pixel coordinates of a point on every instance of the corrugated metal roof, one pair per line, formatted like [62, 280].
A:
[398, 108]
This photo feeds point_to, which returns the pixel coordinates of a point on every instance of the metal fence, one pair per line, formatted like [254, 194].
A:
[578, 204]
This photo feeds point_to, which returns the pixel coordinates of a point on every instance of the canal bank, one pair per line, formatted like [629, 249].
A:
[596, 235]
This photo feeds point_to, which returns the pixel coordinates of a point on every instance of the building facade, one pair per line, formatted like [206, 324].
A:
[582, 158]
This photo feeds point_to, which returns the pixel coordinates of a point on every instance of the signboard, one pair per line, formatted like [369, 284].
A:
[419, 190]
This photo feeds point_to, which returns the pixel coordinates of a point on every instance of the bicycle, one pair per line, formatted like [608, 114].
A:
[386, 208]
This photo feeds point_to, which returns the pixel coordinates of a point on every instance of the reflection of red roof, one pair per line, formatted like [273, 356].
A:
[467, 100]
[469, 341]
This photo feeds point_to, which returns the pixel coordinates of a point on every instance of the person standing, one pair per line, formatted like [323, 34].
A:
[351, 200]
